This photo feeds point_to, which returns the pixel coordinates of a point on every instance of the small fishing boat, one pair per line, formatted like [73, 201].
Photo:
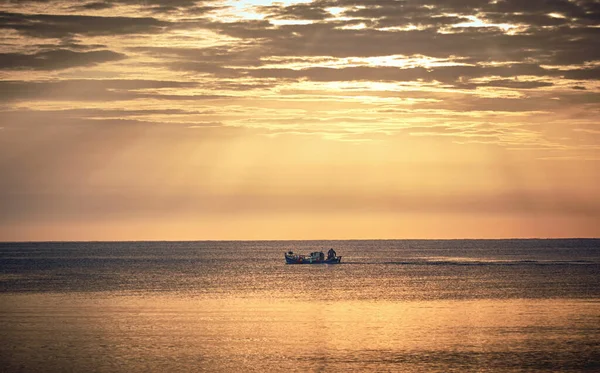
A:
[316, 257]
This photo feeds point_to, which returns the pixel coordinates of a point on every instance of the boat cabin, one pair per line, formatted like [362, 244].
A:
[317, 255]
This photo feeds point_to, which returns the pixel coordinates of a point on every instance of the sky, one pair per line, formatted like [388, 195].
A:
[325, 119]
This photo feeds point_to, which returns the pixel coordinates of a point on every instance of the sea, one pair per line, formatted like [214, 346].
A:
[235, 306]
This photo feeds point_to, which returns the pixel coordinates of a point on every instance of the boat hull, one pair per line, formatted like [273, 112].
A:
[308, 260]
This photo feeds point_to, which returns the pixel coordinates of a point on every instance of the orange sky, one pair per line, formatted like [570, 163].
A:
[178, 120]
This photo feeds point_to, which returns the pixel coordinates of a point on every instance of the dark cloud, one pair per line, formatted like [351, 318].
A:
[56, 59]
[240, 85]
[402, 14]
[251, 29]
[548, 39]
[93, 90]
[182, 3]
[90, 113]
[583, 74]
[569, 9]
[161, 3]
[70, 44]
[154, 6]
[534, 20]
[508, 83]
[453, 75]
[542, 38]
[572, 9]
[97, 5]
[550, 102]
[561, 39]
[60, 26]
[434, 12]
[478, 44]
[219, 56]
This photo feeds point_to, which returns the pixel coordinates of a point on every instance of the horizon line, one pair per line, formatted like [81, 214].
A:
[297, 240]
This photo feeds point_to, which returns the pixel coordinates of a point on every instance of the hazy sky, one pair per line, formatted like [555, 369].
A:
[183, 119]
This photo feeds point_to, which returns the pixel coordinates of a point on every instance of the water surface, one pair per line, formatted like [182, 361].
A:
[453, 305]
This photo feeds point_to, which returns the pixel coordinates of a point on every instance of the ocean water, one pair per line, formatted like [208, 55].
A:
[398, 305]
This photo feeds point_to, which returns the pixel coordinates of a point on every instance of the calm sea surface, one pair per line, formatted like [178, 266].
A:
[416, 306]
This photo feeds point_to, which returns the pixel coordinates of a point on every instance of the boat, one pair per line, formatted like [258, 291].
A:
[316, 257]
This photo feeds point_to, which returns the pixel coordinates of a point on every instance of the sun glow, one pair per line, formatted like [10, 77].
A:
[478, 22]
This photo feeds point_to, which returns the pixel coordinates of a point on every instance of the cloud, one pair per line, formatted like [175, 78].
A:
[481, 68]
[152, 6]
[92, 90]
[458, 76]
[583, 74]
[447, 74]
[60, 26]
[12, 116]
[97, 5]
[306, 11]
[57, 59]
[508, 83]
[543, 38]
[212, 58]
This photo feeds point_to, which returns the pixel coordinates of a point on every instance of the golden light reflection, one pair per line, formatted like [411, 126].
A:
[230, 333]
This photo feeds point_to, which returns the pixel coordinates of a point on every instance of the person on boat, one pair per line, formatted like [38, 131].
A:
[331, 254]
